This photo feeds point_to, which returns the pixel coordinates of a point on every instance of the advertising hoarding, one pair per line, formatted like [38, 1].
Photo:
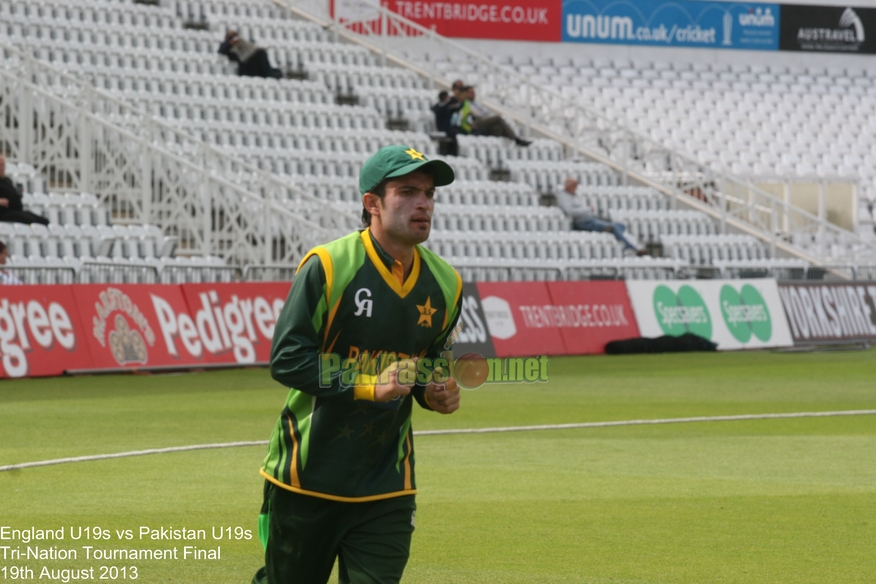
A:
[530, 20]
[474, 337]
[591, 314]
[835, 312]
[716, 25]
[837, 29]
[123, 324]
[556, 318]
[735, 314]
[41, 333]
[235, 322]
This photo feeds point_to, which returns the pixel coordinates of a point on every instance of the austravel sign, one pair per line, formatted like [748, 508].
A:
[736, 314]
[820, 312]
[837, 29]
[718, 25]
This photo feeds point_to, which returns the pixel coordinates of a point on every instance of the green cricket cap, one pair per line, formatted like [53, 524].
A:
[399, 160]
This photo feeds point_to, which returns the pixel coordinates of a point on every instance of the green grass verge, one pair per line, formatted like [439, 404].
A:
[755, 501]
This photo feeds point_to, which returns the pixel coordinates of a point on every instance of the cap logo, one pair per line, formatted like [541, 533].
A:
[414, 154]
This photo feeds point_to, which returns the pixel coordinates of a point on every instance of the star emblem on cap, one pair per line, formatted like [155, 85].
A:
[426, 312]
[414, 154]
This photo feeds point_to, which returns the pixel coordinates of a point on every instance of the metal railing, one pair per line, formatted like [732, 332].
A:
[735, 202]
[84, 140]
[114, 272]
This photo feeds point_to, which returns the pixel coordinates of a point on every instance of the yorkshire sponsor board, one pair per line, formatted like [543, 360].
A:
[684, 23]
[824, 313]
[736, 314]
[834, 29]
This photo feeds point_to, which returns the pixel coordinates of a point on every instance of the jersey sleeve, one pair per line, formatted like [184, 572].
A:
[295, 353]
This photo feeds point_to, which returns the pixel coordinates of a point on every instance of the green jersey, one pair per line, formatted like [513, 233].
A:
[349, 314]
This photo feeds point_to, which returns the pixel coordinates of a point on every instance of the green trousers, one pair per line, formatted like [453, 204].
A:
[371, 541]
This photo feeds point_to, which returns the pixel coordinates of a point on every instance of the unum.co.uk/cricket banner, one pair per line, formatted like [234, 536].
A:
[735, 314]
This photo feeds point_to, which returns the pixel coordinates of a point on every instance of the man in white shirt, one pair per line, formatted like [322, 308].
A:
[585, 218]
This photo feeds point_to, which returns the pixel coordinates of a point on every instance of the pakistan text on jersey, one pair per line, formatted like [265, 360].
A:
[421, 371]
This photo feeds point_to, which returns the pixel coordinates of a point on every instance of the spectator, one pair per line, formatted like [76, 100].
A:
[252, 61]
[443, 111]
[11, 209]
[5, 276]
[475, 119]
[585, 218]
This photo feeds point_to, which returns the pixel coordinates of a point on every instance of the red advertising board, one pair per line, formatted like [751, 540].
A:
[524, 20]
[123, 325]
[591, 314]
[234, 322]
[556, 318]
[40, 331]
[514, 314]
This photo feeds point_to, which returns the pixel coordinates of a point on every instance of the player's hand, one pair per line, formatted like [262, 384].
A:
[4, 202]
[391, 389]
[443, 397]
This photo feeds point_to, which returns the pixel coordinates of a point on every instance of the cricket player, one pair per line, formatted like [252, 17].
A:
[361, 336]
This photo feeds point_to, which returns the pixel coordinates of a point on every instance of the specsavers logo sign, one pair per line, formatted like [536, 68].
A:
[681, 313]
[745, 313]
[736, 314]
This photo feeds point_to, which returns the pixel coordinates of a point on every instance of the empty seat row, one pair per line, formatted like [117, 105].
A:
[708, 249]
[86, 241]
[525, 246]
[494, 151]
[651, 225]
[69, 270]
[67, 208]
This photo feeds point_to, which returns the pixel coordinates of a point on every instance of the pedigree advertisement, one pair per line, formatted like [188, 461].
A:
[40, 331]
[124, 325]
[225, 323]
[50, 330]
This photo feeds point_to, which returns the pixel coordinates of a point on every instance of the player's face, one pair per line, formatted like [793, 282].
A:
[405, 214]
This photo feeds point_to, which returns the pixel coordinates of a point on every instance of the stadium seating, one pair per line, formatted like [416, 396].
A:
[298, 129]
[735, 117]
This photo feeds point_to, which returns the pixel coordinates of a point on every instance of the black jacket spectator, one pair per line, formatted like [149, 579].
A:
[252, 61]
[11, 209]
[444, 110]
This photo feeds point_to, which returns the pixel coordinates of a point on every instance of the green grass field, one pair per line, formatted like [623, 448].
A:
[762, 501]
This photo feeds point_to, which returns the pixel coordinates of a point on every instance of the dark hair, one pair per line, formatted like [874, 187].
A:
[442, 95]
[2, 247]
[380, 191]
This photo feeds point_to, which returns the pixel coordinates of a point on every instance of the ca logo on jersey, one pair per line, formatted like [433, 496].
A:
[363, 305]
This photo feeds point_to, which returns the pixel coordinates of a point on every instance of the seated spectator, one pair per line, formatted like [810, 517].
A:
[11, 209]
[473, 118]
[585, 218]
[443, 111]
[5, 276]
[252, 61]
